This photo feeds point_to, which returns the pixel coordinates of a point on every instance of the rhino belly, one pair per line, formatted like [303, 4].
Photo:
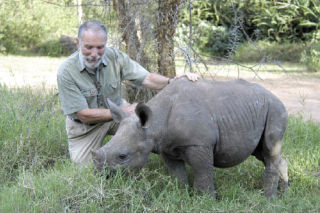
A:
[229, 159]
[230, 151]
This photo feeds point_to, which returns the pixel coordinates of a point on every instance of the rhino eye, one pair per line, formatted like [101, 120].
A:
[122, 156]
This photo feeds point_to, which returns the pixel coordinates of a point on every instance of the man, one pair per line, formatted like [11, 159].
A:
[90, 76]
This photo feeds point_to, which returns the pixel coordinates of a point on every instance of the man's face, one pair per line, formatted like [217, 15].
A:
[92, 46]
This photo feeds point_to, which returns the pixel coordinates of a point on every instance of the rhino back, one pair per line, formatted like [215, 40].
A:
[229, 117]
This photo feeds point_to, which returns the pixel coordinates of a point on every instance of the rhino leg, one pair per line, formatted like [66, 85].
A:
[177, 168]
[271, 176]
[284, 178]
[200, 159]
[276, 167]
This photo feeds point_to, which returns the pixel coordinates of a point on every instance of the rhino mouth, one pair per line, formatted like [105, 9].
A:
[113, 172]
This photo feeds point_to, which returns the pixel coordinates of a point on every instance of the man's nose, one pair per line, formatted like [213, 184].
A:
[94, 52]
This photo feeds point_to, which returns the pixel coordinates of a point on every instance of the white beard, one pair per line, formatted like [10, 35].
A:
[87, 61]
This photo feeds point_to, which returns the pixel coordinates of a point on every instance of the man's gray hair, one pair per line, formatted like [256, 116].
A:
[93, 25]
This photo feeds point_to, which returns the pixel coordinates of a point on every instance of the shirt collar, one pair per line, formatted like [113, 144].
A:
[81, 62]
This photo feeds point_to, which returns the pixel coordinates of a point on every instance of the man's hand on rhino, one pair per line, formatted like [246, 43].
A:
[191, 76]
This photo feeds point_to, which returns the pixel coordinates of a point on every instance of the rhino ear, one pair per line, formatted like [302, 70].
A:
[117, 113]
[144, 113]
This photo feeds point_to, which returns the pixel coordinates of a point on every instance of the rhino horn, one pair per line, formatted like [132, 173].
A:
[117, 113]
[144, 113]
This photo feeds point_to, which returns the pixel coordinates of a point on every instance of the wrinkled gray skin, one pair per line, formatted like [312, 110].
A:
[205, 124]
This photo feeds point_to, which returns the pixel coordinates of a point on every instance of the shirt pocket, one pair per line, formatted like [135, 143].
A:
[112, 91]
[91, 97]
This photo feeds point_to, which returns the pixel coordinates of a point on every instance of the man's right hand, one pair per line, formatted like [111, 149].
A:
[129, 109]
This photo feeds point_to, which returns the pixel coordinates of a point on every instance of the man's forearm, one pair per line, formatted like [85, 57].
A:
[90, 116]
[158, 82]
[155, 81]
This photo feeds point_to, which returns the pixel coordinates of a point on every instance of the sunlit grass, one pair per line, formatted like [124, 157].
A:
[17, 71]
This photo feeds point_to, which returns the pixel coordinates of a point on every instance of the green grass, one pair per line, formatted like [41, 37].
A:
[66, 187]
[36, 174]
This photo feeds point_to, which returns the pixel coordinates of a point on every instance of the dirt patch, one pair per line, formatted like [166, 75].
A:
[299, 96]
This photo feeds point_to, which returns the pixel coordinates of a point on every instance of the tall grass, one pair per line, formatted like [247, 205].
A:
[36, 174]
[31, 130]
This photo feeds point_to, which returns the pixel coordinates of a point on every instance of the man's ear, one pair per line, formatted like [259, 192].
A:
[78, 43]
[117, 113]
[144, 113]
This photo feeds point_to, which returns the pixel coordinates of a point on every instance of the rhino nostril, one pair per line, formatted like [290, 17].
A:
[122, 156]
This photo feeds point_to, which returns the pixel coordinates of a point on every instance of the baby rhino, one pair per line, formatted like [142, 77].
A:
[205, 124]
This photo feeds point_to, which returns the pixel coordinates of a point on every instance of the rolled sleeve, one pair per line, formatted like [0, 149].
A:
[72, 100]
[131, 70]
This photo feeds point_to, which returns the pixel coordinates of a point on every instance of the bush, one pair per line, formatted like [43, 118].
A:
[256, 51]
[49, 48]
[311, 56]
[30, 24]
[211, 40]
[57, 47]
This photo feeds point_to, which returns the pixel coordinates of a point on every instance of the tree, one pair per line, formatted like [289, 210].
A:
[139, 26]
[79, 7]
[148, 35]
[168, 13]
[128, 23]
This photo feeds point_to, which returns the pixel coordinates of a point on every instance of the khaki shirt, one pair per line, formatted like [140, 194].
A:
[79, 87]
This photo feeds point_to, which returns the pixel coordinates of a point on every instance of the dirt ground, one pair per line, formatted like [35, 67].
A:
[299, 96]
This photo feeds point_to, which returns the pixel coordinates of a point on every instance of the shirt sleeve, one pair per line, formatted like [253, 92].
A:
[131, 70]
[72, 100]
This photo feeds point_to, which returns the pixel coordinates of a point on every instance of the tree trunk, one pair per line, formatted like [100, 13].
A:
[168, 12]
[127, 23]
[79, 7]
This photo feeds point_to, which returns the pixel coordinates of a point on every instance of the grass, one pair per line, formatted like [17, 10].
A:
[36, 174]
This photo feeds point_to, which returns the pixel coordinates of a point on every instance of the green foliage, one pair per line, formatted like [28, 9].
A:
[31, 131]
[50, 48]
[311, 56]
[269, 51]
[281, 21]
[208, 39]
[288, 20]
[30, 24]
[265, 51]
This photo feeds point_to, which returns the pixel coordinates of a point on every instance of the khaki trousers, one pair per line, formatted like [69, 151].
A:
[83, 138]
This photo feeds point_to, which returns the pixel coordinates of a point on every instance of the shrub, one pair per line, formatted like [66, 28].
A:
[256, 51]
[311, 56]
[211, 40]
[30, 24]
